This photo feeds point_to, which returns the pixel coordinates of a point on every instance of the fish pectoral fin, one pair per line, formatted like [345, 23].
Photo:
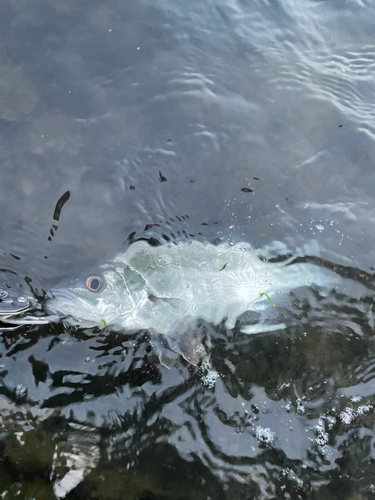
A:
[174, 302]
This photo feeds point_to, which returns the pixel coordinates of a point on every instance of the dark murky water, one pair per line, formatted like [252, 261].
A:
[221, 120]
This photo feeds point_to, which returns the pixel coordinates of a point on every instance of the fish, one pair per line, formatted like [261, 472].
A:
[165, 289]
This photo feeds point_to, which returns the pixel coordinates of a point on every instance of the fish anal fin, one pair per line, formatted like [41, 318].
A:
[268, 320]
[167, 357]
[261, 328]
[191, 347]
[185, 341]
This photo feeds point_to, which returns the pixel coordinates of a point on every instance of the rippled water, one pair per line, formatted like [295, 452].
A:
[220, 121]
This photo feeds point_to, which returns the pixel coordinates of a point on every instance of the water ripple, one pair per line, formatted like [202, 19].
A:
[345, 79]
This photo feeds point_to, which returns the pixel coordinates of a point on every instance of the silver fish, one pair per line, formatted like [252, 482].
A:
[163, 289]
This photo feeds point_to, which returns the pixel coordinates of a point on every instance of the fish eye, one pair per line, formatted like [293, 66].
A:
[95, 283]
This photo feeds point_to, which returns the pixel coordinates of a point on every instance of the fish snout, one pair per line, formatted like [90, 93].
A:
[56, 299]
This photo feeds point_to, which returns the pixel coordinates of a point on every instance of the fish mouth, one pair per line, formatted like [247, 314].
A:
[53, 296]
[55, 293]
[64, 304]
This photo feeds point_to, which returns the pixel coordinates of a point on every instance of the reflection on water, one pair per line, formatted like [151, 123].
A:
[276, 414]
[220, 121]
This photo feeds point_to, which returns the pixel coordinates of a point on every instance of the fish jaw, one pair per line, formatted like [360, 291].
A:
[75, 311]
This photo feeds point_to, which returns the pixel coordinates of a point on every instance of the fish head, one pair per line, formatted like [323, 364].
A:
[98, 297]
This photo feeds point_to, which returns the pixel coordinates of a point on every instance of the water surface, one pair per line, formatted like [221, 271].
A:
[222, 121]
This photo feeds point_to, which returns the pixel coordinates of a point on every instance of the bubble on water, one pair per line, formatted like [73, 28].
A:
[291, 475]
[301, 410]
[322, 436]
[210, 377]
[265, 436]
[347, 416]
[330, 421]
[363, 409]
[200, 349]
